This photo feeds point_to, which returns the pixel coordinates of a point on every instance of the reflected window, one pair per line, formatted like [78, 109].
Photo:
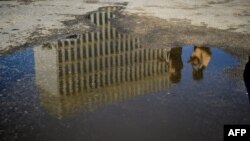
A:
[66, 54]
[60, 55]
[72, 54]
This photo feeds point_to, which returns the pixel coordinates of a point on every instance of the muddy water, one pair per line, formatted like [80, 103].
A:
[105, 85]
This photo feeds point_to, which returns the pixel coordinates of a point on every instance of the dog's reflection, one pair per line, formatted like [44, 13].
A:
[174, 61]
[199, 60]
[246, 76]
[175, 64]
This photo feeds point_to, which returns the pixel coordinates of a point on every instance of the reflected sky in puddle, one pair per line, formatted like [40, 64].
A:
[106, 86]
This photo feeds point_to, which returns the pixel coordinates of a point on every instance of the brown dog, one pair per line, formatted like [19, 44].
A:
[174, 63]
[199, 60]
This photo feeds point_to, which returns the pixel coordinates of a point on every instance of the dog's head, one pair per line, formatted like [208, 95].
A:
[195, 62]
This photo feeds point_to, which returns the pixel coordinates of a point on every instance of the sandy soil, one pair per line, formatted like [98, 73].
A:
[221, 14]
[25, 22]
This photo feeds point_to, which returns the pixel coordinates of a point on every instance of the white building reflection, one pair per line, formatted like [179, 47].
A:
[97, 68]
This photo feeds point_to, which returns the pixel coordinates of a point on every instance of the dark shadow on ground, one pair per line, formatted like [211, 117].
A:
[246, 76]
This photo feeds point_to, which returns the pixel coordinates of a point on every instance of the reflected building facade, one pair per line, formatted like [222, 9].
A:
[97, 68]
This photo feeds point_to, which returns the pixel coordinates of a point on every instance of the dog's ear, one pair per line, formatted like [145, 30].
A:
[191, 60]
[194, 60]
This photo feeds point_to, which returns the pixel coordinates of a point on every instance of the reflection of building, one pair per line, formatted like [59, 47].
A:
[96, 69]
[102, 16]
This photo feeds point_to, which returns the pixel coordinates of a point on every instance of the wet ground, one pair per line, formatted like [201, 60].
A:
[111, 84]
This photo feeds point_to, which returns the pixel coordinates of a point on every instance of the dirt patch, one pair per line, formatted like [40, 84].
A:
[157, 32]
[37, 37]
[220, 2]
[154, 32]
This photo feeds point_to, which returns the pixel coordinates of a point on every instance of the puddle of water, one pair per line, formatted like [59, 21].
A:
[106, 86]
